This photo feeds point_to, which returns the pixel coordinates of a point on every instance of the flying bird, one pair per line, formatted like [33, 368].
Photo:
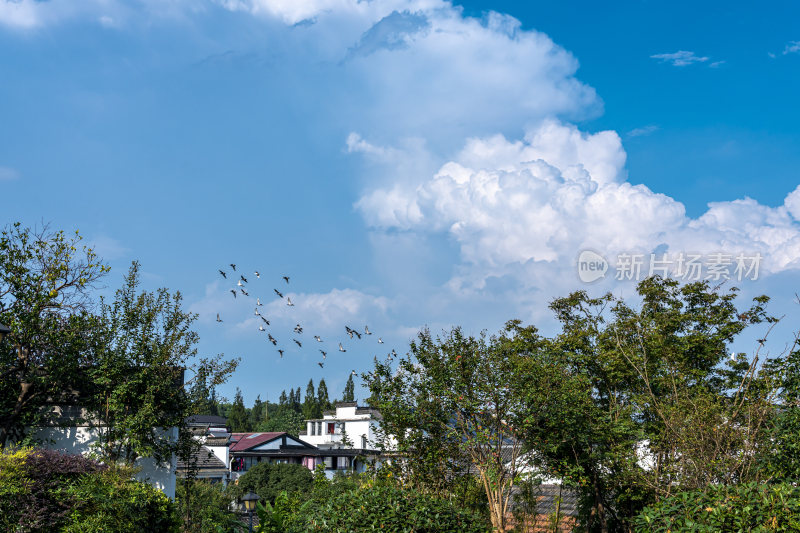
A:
[341, 348]
[256, 312]
[234, 292]
[289, 302]
[278, 292]
[380, 341]
[317, 338]
[264, 319]
[239, 284]
[298, 342]
[324, 353]
[218, 318]
[367, 331]
[298, 329]
[394, 354]
[286, 278]
[349, 331]
[258, 302]
[321, 364]
[272, 339]
[233, 267]
[244, 292]
[224, 275]
[261, 328]
[280, 352]
[243, 278]
[257, 274]
[352, 372]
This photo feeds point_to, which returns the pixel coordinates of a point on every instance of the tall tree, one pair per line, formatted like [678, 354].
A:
[349, 394]
[310, 408]
[45, 282]
[296, 404]
[323, 401]
[139, 394]
[454, 404]
[284, 400]
[257, 412]
[237, 418]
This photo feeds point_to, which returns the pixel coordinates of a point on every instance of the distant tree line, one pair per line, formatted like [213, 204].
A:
[289, 414]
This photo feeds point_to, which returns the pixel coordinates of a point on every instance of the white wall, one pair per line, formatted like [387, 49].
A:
[79, 440]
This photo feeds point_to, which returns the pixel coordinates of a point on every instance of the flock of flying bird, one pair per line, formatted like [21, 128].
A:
[298, 329]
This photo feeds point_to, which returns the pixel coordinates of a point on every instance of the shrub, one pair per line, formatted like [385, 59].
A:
[387, 508]
[268, 480]
[45, 490]
[747, 507]
[208, 507]
[112, 501]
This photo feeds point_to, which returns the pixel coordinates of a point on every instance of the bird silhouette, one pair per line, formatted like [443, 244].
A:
[258, 302]
[324, 353]
[352, 372]
[281, 352]
[256, 312]
[367, 331]
[224, 275]
[257, 274]
[341, 348]
[234, 292]
[298, 329]
[233, 267]
[298, 342]
[321, 364]
[239, 283]
[261, 328]
[289, 302]
[286, 278]
[380, 341]
[278, 292]
[317, 338]
[244, 292]
[218, 318]
[394, 354]
[272, 339]
[264, 319]
[243, 278]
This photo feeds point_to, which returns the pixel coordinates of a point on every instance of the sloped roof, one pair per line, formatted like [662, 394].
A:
[245, 441]
[206, 460]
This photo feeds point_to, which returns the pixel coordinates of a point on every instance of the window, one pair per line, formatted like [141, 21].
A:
[364, 442]
[329, 463]
[331, 428]
[313, 428]
[343, 463]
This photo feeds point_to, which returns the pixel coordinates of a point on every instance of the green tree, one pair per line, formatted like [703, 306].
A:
[238, 420]
[629, 403]
[323, 402]
[268, 480]
[454, 403]
[349, 394]
[138, 390]
[257, 412]
[284, 400]
[46, 279]
[283, 419]
[311, 408]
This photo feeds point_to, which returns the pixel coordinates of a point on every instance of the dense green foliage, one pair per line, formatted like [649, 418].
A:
[43, 491]
[389, 508]
[744, 507]
[206, 507]
[268, 480]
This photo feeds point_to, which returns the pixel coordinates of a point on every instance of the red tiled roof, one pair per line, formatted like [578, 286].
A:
[245, 441]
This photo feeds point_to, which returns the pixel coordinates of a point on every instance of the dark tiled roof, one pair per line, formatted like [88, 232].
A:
[207, 420]
[217, 441]
[206, 460]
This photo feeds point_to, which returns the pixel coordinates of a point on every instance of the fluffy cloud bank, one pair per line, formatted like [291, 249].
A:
[543, 199]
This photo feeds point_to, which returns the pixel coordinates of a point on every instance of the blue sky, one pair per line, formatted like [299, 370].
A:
[406, 162]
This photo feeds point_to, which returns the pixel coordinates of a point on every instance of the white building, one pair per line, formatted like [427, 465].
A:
[348, 426]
